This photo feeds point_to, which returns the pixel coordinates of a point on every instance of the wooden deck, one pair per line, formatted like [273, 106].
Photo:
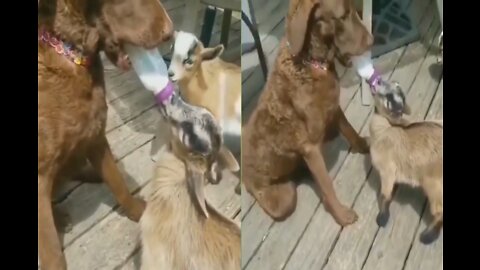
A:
[100, 236]
[310, 239]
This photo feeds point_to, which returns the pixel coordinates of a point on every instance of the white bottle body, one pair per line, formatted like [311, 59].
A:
[149, 66]
[363, 65]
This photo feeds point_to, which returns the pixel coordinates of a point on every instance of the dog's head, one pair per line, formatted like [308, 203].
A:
[108, 24]
[390, 102]
[197, 140]
[187, 54]
[335, 22]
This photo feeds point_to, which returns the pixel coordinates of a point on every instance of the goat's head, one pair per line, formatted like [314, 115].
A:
[188, 53]
[390, 101]
[197, 140]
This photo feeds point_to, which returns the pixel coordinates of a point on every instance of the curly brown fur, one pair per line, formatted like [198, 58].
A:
[72, 108]
[299, 107]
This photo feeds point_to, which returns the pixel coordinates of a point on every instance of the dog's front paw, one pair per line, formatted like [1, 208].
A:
[344, 216]
[362, 146]
[135, 209]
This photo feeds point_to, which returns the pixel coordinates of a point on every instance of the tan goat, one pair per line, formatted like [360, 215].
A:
[180, 230]
[406, 152]
[206, 80]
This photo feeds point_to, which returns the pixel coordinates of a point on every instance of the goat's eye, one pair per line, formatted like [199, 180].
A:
[188, 61]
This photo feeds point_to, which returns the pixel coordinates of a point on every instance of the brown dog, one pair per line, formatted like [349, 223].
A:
[299, 109]
[72, 109]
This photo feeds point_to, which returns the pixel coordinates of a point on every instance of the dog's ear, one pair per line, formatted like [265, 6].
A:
[196, 187]
[297, 24]
[227, 160]
[212, 53]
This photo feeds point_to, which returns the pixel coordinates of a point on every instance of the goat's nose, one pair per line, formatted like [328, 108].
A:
[170, 73]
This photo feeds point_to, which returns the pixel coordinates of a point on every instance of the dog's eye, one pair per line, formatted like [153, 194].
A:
[188, 61]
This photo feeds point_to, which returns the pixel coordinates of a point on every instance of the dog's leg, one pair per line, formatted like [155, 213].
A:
[388, 183]
[102, 160]
[49, 246]
[314, 159]
[358, 144]
[87, 174]
[434, 192]
[278, 200]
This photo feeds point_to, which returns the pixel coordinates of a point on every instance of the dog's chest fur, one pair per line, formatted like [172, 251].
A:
[72, 109]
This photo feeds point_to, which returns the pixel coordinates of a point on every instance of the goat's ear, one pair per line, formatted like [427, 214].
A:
[211, 53]
[297, 24]
[227, 159]
[196, 187]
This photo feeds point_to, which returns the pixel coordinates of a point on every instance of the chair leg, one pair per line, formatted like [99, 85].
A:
[256, 37]
[226, 22]
[207, 27]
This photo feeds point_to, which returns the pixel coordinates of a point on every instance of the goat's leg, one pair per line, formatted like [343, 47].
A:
[49, 246]
[343, 215]
[358, 144]
[102, 160]
[388, 183]
[434, 190]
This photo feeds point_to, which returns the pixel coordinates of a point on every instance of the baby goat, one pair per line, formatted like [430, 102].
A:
[409, 153]
[180, 229]
[206, 80]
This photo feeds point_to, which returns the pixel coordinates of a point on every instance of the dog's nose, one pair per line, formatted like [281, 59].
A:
[171, 74]
[167, 35]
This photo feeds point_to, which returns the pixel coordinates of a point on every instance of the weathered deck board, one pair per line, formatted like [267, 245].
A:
[356, 172]
[392, 244]
[355, 241]
[324, 244]
[101, 237]
[428, 256]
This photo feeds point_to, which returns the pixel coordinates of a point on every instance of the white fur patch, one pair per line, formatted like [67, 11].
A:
[183, 43]
[398, 99]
